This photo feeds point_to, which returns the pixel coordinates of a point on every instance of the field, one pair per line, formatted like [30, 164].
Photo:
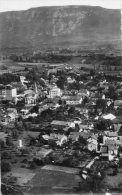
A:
[8, 66]
[114, 181]
[48, 180]
[54, 181]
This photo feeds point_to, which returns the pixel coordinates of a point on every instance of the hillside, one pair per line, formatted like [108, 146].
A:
[59, 26]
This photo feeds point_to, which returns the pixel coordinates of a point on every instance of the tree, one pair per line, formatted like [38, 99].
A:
[85, 100]
[15, 133]
[38, 161]
[33, 75]
[72, 162]
[82, 141]
[101, 104]
[103, 124]
[35, 109]
[111, 93]
[96, 181]
[60, 102]
[92, 72]
[100, 139]
[71, 110]
[62, 81]
[26, 69]
[9, 141]
[5, 166]
[32, 165]
[6, 155]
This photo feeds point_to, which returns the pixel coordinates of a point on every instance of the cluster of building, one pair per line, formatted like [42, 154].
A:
[77, 118]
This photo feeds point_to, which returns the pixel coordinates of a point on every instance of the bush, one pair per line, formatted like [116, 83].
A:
[38, 162]
[5, 167]
[32, 165]
[71, 162]
[24, 161]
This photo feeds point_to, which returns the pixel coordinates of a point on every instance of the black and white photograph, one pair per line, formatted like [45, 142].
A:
[60, 97]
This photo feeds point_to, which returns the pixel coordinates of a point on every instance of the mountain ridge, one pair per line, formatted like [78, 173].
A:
[59, 26]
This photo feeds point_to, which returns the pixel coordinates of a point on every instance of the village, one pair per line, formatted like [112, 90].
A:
[54, 117]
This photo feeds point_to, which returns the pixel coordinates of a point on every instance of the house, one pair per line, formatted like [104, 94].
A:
[23, 80]
[112, 149]
[85, 135]
[24, 111]
[117, 142]
[73, 100]
[12, 114]
[55, 92]
[84, 92]
[110, 136]
[58, 138]
[74, 136]
[104, 152]
[7, 92]
[70, 80]
[117, 104]
[62, 124]
[33, 115]
[43, 107]
[84, 127]
[42, 153]
[109, 116]
[112, 152]
[109, 151]
[61, 139]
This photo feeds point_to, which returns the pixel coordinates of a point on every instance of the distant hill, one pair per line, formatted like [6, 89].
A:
[59, 26]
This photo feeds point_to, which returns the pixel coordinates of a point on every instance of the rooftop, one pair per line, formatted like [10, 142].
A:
[60, 123]
[72, 98]
[118, 103]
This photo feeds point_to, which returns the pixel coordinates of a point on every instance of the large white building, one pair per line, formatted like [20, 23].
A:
[7, 92]
[73, 100]
[55, 92]
[30, 97]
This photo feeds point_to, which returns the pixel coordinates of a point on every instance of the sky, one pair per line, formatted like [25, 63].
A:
[14, 5]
